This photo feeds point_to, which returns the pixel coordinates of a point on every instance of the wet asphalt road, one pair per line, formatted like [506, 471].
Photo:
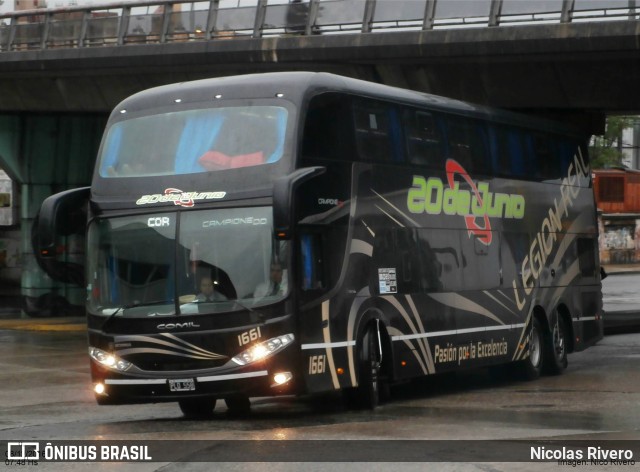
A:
[45, 395]
[621, 292]
[621, 302]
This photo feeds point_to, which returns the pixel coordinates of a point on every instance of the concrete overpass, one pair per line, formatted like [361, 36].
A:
[63, 70]
[578, 56]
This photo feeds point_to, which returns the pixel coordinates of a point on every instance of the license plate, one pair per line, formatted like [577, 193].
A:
[182, 385]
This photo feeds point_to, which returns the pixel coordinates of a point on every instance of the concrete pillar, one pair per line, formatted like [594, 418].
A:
[45, 155]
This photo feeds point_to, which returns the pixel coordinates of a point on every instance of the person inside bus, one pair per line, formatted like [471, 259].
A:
[208, 293]
[277, 284]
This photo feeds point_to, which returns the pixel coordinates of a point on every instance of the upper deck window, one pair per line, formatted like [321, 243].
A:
[193, 141]
[423, 139]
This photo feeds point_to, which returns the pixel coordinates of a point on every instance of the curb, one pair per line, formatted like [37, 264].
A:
[619, 269]
[619, 322]
[53, 324]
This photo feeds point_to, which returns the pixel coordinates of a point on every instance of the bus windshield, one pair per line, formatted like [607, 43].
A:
[224, 260]
[193, 141]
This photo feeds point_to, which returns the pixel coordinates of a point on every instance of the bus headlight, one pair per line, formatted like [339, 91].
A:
[110, 361]
[263, 350]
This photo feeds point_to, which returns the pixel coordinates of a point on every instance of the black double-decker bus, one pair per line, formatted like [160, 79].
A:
[295, 233]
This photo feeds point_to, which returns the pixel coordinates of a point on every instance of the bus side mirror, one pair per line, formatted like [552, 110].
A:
[284, 190]
[61, 215]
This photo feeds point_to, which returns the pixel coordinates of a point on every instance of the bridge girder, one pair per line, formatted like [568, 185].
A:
[577, 72]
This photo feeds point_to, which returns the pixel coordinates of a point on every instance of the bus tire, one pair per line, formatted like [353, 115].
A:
[555, 348]
[532, 365]
[194, 408]
[367, 393]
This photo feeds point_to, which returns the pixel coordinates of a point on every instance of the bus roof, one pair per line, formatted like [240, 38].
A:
[298, 86]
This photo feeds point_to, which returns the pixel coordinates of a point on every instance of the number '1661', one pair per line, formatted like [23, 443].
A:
[248, 336]
[317, 364]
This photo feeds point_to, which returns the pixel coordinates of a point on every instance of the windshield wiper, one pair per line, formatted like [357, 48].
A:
[121, 309]
[261, 316]
[258, 314]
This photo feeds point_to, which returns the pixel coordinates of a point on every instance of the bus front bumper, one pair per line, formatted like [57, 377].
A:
[256, 381]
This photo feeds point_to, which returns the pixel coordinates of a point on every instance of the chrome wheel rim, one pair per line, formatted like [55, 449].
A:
[558, 340]
[534, 348]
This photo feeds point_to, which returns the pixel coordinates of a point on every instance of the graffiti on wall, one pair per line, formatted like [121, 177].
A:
[7, 212]
[620, 242]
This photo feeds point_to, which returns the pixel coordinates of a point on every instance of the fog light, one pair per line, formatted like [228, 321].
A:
[99, 388]
[281, 378]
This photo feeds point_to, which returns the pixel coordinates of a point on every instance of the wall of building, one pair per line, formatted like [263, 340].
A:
[619, 219]
[619, 240]
[10, 253]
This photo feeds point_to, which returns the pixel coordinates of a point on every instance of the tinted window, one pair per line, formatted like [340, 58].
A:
[567, 150]
[543, 159]
[587, 256]
[372, 133]
[378, 132]
[192, 141]
[328, 130]
[467, 144]
[509, 156]
[531, 155]
[423, 139]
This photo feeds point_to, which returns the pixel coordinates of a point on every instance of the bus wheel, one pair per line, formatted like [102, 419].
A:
[555, 348]
[197, 407]
[368, 390]
[238, 405]
[532, 365]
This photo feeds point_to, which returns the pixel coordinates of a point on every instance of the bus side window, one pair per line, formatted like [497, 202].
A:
[510, 152]
[321, 257]
[373, 133]
[567, 149]
[423, 139]
[468, 144]
[312, 263]
[587, 252]
[544, 163]
[397, 250]
[328, 130]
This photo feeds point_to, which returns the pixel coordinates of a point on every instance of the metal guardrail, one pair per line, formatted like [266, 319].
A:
[168, 21]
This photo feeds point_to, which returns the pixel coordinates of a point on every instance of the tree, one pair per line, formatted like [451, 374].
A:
[606, 150]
